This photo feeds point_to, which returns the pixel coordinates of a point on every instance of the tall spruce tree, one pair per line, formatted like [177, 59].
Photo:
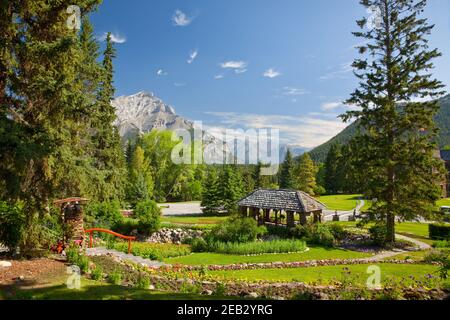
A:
[306, 174]
[211, 198]
[110, 158]
[287, 175]
[396, 146]
[231, 187]
[332, 175]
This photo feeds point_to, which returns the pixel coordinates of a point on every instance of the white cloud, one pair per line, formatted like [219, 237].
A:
[192, 56]
[234, 65]
[115, 38]
[271, 73]
[293, 92]
[180, 19]
[341, 73]
[161, 73]
[218, 77]
[331, 106]
[304, 131]
[240, 71]
[179, 84]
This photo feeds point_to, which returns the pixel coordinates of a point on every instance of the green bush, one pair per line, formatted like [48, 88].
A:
[251, 248]
[73, 255]
[199, 245]
[11, 224]
[439, 231]
[149, 216]
[378, 234]
[154, 251]
[315, 233]
[236, 230]
[338, 231]
[126, 227]
[104, 214]
[442, 244]
[115, 277]
[97, 273]
[143, 281]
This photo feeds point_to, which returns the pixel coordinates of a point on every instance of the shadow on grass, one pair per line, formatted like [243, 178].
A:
[93, 292]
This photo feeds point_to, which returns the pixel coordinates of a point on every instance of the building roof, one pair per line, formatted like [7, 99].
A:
[288, 200]
[445, 155]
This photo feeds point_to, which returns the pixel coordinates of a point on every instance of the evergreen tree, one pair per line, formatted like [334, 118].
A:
[109, 154]
[332, 175]
[287, 175]
[211, 198]
[231, 188]
[395, 145]
[306, 174]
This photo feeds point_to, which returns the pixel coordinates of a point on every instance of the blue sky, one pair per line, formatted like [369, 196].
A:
[248, 63]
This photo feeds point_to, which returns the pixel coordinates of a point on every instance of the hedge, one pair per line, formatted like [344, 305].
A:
[439, 231]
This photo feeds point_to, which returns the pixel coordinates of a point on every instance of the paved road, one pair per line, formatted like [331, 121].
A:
[180, 209]
[343, 215]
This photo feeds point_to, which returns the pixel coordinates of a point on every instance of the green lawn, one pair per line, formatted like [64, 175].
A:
[443, 203]
[315, 253]
[344, 202]
[193, 219]
[93, 290]
[328, 273]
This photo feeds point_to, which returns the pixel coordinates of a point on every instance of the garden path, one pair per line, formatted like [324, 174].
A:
[100, 251]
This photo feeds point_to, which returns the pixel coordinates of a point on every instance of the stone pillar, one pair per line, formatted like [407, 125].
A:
[73, 221]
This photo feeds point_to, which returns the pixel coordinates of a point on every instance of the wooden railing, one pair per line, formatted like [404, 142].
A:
[91, 238]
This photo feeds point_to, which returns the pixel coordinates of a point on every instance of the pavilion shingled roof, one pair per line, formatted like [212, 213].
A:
[288, 200]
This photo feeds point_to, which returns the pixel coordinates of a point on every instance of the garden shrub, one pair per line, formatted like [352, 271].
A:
[442, 244]
[12, 219]
[439, 231]
[279, 231]
[126, 226]
[378, 234]
[199, 245]
[149, 216]
[338, 231]
[105, 215]
[236, 229]
[115, 277]
[315, 233]
[97, 273]
[143, 281]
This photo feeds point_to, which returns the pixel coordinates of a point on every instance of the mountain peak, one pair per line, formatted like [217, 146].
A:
[143, 112]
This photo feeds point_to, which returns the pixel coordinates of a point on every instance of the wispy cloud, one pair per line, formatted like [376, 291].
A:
[304, 131]
[293, 92]
[181, 19]
[192, 56]
[341, 73]
[161, 73]
[331, 106]
[271, 73]
[218, 76]
[115, 37]
[179, 84]
[240, 71]
[234, 64]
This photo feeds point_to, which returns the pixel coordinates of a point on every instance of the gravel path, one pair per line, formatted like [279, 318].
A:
[100, 251]
[344, 215]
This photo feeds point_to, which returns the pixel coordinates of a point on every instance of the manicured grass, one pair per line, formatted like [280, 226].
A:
[328, 273]
[415, 228]
[340, 202]
[93, 290]
[443, 203]
[153, 251]
[314, 253]
[193, 219]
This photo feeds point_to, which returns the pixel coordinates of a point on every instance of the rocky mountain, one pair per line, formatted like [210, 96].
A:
[442, 120]
[143, 112]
